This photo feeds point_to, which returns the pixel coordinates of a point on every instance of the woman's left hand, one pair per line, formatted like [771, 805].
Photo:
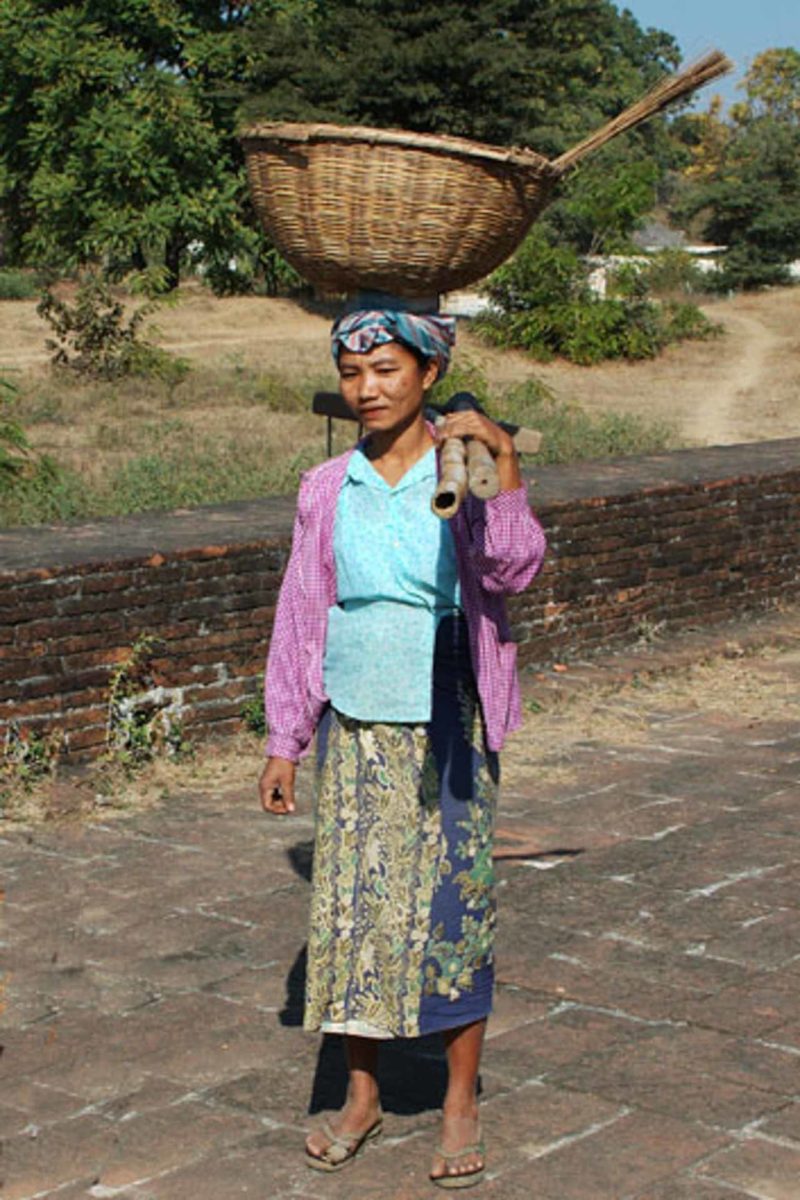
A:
[476, 425]
[471, 424]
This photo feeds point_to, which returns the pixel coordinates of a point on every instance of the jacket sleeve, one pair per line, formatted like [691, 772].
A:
[506, 542]
[290, 714]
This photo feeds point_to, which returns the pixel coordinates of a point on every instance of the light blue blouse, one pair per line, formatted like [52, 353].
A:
[396, 577]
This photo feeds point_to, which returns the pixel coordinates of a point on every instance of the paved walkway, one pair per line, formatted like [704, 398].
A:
[646, 1039]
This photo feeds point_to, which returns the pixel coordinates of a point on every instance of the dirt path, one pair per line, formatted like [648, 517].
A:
[743, 386]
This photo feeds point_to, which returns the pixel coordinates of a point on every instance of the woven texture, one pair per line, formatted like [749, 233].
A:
[411, 214]
[355, 209]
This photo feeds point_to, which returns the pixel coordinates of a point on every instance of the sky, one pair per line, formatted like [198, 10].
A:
[742, 28]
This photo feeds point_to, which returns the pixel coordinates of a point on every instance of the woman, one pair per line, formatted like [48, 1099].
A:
[391, 642]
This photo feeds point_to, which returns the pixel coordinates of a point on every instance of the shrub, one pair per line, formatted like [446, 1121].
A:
[19, 285]
[14, 444]
[144, 719]
[28, 756]
[95, 337]
[252, 714]
[30, 483]
[675, 273]
[570, 434]
[540, 275]
[544, 306]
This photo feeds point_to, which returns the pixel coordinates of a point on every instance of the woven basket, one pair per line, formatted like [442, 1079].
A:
[373, 209]
[359, 209]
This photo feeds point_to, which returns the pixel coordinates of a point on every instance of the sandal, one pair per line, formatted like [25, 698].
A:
[343, 1149]
[468, 1178]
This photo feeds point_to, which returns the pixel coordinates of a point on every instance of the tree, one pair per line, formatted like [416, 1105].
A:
[605, 203]
[748, 193]
[117, 117]
[707, 137]
[116, 138]
[772, 85]
[535, 72]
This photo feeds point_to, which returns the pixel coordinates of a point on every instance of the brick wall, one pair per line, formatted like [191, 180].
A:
[691, 537]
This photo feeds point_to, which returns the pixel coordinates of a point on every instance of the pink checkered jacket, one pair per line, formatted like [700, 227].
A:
[499, 549]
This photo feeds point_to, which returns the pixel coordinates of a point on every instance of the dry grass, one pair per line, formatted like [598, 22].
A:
[104, 790]
[751, 689]
[743, 387]
[94, 427]
[237, 426]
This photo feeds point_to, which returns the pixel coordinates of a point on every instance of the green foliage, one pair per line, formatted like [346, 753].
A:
[669, 273]
[545, 306]
[117, 119]
[28, 481]
[753, 208]
[605, 202]
[540, 275]
[745, 193]
[116, 133]
[495, 70]
[28, 757]
[772, 87]
[19, 285]
[14, 445]
[143, 719]
[44, 492]
[94, 336]
[252, 714]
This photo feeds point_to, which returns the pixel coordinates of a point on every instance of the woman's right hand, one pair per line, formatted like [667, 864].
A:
[276, 786]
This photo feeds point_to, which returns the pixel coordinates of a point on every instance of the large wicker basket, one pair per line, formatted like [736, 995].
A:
[359, 209]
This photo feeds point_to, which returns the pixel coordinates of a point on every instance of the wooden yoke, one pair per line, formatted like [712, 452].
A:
[467, 464]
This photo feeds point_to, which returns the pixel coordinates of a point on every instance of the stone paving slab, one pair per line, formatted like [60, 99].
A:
[646, 1038]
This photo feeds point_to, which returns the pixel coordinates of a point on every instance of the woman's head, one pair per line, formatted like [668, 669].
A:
[387, 360]
[385, 386]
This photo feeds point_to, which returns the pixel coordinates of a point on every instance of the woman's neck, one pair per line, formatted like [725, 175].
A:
[393, 452]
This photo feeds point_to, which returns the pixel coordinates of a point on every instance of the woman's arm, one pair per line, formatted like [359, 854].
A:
[506, 543]
[290, 715]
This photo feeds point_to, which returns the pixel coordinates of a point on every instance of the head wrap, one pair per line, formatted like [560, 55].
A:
[432, 336]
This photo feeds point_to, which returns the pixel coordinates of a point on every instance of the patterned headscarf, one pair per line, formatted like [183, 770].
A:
[432, 336]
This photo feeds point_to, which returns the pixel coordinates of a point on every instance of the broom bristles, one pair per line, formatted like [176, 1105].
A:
[672, 88]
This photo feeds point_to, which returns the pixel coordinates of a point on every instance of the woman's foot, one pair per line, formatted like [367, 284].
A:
[341, 1137]
[460, 1157]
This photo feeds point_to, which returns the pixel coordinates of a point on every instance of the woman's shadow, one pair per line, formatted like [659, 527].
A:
[412, 1072]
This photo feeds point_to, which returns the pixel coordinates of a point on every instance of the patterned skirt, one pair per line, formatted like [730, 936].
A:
[402, 910]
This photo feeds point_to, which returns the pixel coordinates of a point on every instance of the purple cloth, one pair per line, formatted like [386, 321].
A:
[499, 546]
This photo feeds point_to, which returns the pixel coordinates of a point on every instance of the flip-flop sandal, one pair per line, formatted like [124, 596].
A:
[342, 1150]
[469, 1178]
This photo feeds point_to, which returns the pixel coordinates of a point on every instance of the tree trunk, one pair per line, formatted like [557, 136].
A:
[172, 261]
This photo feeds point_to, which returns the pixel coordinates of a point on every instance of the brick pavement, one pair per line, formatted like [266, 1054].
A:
[646, 1039]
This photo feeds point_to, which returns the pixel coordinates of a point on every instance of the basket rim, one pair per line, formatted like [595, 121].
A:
[296, 132]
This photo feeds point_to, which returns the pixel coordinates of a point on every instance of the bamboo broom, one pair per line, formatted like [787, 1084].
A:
[672, 88]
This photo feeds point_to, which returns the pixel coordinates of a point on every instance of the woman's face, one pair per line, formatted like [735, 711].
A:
[385, 387]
